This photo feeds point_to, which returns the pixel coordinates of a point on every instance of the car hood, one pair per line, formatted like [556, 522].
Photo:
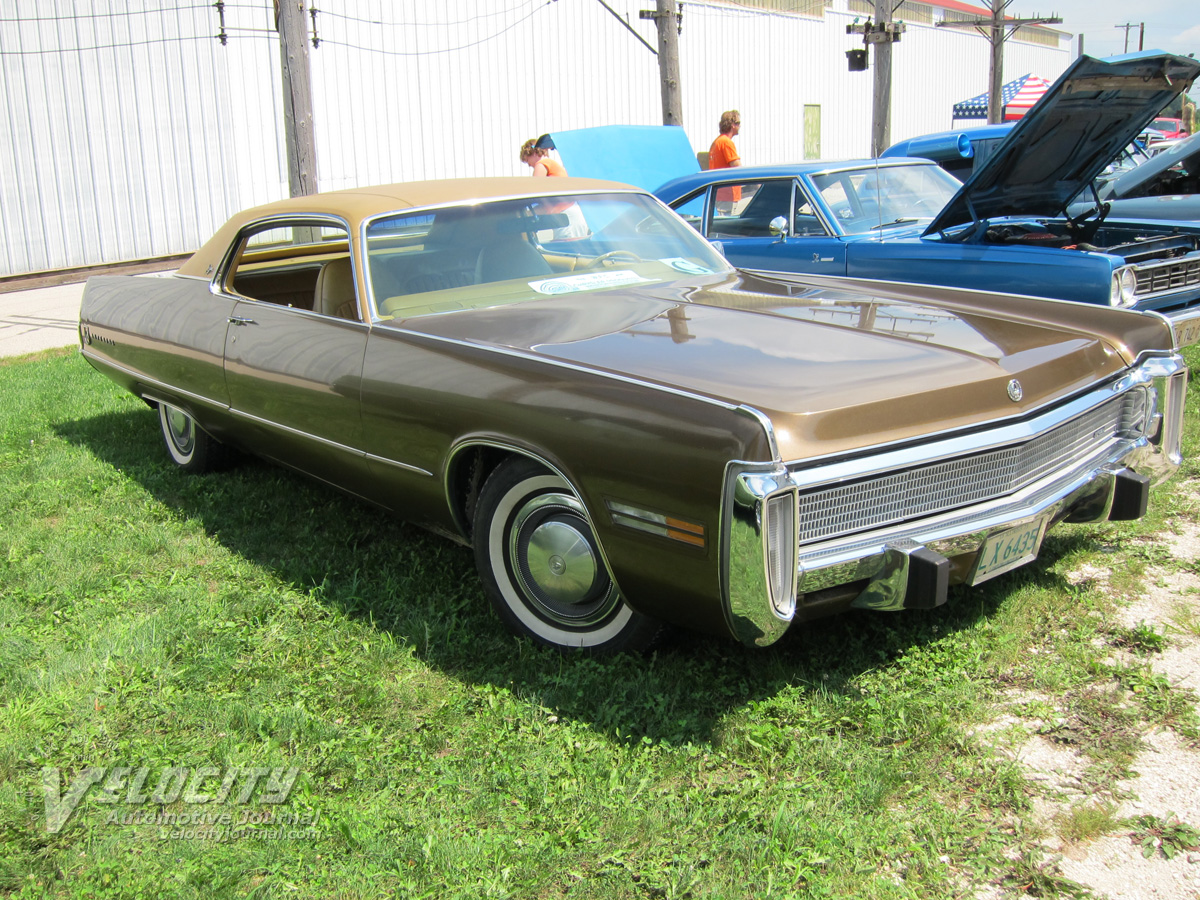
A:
[1134, 182]
[834, 370]
[1094, 109]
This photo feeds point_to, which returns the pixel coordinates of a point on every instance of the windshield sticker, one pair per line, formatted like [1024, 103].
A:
[589, 282]
[686, 265]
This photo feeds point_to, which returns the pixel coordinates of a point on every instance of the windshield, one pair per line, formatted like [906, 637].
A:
[423, 262]
[874, 197]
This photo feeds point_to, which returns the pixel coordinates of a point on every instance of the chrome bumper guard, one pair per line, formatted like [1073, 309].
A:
[909, 564]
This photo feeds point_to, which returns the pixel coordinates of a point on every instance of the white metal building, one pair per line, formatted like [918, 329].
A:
[135, 127]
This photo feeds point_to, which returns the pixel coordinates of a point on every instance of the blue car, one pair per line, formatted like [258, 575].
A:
[963, 150]
[1138, 184]
[1005, 229]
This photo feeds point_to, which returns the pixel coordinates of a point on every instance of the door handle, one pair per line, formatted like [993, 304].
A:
[241, 320]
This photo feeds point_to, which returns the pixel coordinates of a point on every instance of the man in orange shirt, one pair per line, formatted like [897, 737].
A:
[723, 155]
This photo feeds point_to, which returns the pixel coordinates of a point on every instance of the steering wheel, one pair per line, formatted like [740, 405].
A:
[615, 257]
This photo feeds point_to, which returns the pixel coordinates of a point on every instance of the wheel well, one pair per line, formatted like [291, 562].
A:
[469, 469]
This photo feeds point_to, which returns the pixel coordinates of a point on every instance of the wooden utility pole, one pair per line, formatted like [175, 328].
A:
[669, 21]
[291, 22]
[881, 107]
[881, 33]
[1141, 27]
[997, 29]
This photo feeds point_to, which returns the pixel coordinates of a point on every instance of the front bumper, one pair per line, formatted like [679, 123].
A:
[1185, 324]
[770, 568]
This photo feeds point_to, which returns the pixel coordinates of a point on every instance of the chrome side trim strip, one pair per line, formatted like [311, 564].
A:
[159, 393]
[154, 383]
[767, 426]
[416, 470]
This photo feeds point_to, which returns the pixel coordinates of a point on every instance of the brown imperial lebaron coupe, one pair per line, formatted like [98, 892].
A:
[628, 431]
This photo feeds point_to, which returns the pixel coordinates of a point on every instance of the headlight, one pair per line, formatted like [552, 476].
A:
[1124, 287]
[781, 552]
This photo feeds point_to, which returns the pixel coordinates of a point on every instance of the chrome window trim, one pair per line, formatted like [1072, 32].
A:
[480, 201]
[275, 221]
[805, 189]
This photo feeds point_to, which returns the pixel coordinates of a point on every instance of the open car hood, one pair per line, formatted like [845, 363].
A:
[1133, 182]
[1094, 109]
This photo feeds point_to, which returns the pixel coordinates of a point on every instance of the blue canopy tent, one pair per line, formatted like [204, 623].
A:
[1016, 98]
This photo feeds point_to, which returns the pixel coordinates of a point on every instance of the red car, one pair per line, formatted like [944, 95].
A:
[1171, 128]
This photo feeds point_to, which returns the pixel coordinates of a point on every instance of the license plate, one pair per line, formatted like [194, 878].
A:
[1188, 332]
[1009, 549]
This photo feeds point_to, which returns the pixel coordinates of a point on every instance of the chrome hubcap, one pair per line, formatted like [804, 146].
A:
[554, 557]
[560, 561]
[180, 426]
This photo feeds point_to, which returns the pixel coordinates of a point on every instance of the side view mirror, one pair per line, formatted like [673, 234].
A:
[779, 228]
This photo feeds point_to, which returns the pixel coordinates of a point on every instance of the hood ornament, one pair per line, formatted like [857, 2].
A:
[1015, 393]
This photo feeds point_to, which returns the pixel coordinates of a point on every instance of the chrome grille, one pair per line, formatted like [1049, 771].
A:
[947, 484]
[1167, 276]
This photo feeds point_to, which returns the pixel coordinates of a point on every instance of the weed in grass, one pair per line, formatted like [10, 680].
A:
[1099, 726]
[1165, 836]
[1039, 877]
[1081, 824]
[1157, 701]
[1141, 638]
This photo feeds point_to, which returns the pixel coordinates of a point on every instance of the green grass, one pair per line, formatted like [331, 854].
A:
[255, 619]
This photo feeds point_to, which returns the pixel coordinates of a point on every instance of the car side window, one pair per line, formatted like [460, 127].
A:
[299, 264]
[692, 210]
[746, 209]
[805, 221]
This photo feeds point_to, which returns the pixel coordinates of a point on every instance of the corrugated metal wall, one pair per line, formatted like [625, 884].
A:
[133, 132]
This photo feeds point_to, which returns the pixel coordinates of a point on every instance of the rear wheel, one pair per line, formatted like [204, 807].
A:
[189, 446]
[542, 567]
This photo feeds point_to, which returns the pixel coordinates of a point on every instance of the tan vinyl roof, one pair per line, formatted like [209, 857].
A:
[357, 204]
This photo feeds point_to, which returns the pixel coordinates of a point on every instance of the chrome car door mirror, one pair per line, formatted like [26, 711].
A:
[779, 228]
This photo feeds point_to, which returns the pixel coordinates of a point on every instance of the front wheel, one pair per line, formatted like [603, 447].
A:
[189, 445]
[542, 568]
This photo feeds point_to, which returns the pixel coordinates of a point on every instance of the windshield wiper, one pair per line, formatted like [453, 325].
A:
[900, 221]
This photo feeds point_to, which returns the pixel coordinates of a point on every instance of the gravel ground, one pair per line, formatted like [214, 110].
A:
[1165, 775]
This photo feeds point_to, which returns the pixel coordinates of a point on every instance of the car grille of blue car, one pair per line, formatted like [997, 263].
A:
[1160, 278]
[921, 491]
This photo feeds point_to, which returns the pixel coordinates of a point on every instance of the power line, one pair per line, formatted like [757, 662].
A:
[137, 12]
[165, 40]
[483, 40]
[337, 15]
